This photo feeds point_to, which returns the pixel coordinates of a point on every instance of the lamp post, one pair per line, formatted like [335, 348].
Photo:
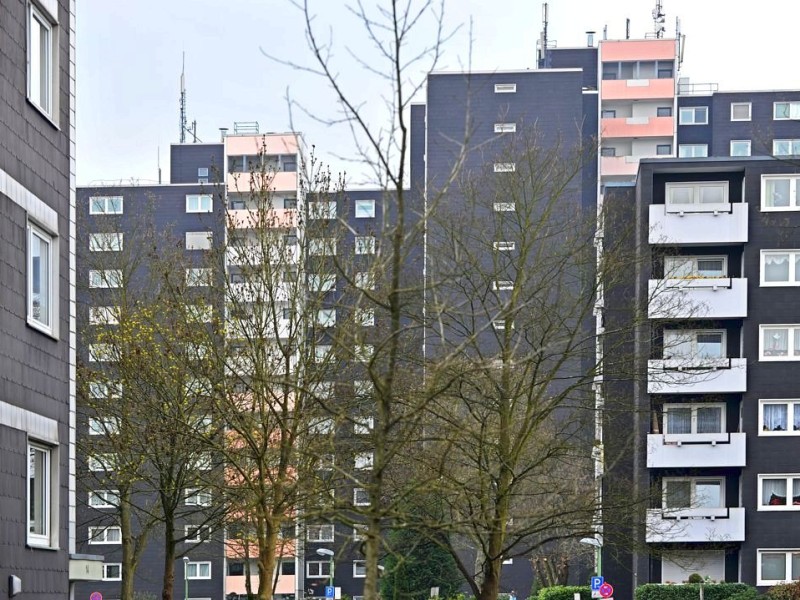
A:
[329, 554]
[597, 543]
[185, 578]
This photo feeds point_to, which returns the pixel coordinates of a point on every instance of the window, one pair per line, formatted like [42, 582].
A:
[322, 246]
[693, 115]
[198, 277]
[105, 242]
[779, 492]
[287, 566]
[42, 281]
[363, 352]
[693, 419]
[363, 461]
[365, 244]
[693, 492]
[199, 203]
[320, 533]
[112, 571]
[500, 325]
[201, 462]
[104, 499]
[740, 111]
[108, 278]
[780, 268]
[364, 209]
[102, 353]
[779, 342]
[679, 267]
[740, 147]
[40, 493]
[322, 210]
[323, 389]
[786, 110]
[199, 240]
[103, 426]
[696, 197]
[505, 127]
[778, 566]
[363, 425]
[608, 151]
[365, 317]
[663, 149]
[316, 569]
[111, 389]
[687, 344]
[786, 147]
[42, 65]
[198, 570]
[326, 317]
[608, 114]
[196, 534]
[363, 389]
[102, 462]
[359, 569]
[322, 426]
[505, 167]
[105, 535]
[780, 192]
[692, 150]
[322, 352]
[505, 88]
[322, 282]
[505, 246]
[105, 205]
[103, 315]
[200, 313]
[360, 497]
[779, 417]
[202, 171]
[364, 281]
[502, 284]
[197, 497]
[664, 111]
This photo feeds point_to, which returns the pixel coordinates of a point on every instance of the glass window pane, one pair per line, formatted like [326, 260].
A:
[677, 266]
[678, 494]
[773, 492]
[795, 565]
[796, 491]
[37, 492]
[709, 419]
[40, 279]
[781, 110]
[708, 494]
[796, 417]
[776, 267]
[775, 417]
[677, 344]
[681, 195]
[709, 345]
[711, 267]
[776, 342]
[773, 566]
[679, 420]
[777, 192]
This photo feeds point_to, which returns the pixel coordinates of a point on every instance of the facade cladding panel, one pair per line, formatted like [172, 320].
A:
[35, 400]
[191, 162]
[581, 58]
[699, 133]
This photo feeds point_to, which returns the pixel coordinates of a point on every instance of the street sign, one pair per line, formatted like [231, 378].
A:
[597, 581]
[596, 594]
[606, 590]
[95, 596]
[330, 591]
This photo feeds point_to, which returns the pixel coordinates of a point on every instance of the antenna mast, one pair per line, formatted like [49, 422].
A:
[542, 41]
[182, 124]
[658, 20]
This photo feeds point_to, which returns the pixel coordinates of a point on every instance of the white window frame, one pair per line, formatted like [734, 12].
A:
[504, 207]
[364, 280]
[363, 425]
[46, 66]
[365, 244]
[365, 317]
[793, 110]
[788, 478]
[692, 150]
[103, 315]
[502, 284]
[322, 426]
[202, 534]
[505, 88]
[48, 324]
[794, 201]
[505, 167]
[199, 277]
[787, 552]
[359, 569]
[104, 205]
[105, 278]
[99, 535]
[201, 313]
[103, 425]
[102, 353]
[363, 461]
[793, 330]
[794, 273]
[103, 462]
[48, 490]
[693, 481]
[199, 240]
[322, 282]
[106, 242]
[500, 325]
[105, 499]
[108, 567]
[793, 147]
[197, 566]
[326, 317]
[322, 247]
[684, 117]
[322, 210]
[322, 353]
[199, 203]
[792, 405]
[356, 493]
[202, 171]
[747, 143]
[697, 188]
[694, 406]
[363, 388]
[669, 274]
[321, 569]
[505, 127]
[197, 497]
[505, 246]
[364, 209]
[693, 333]
[749, 106]
[320, 532]
[363, 352]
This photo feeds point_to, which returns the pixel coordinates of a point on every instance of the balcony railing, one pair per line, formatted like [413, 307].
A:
[697, 376]
[697, 298]
[702, 450]
[682, 525]
[698, 224]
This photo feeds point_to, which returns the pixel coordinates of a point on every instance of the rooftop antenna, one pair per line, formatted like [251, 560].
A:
[605, 32]
[627, 29]
[681, 41]
[543, 39]
[658, 20]
[158, 154]
[182, 124]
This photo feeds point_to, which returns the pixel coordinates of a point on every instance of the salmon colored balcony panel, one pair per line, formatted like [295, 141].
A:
[283, 181]
[279, 218]
[629, 50]
[237, 145]
[236, 549]
[618, 165]
[636, 127]
[637, 89]
[235, 584]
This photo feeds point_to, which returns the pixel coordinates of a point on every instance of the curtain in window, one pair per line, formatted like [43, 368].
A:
[796, 424]
[679, 420]
[678, 494]
[773, 566]
[775, 417]
[677, 344]
[709, 419]
[712, 194]
[776, 267]
[773, 492]
[776, 342]
[796, 491]
[777, 192]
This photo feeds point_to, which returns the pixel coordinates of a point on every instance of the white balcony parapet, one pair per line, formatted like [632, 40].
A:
[666, 525]
[702, 450]
[697, 376]
[711, 224]
[697, 298]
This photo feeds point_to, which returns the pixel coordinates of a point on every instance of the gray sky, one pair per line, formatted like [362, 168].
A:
[129, 63]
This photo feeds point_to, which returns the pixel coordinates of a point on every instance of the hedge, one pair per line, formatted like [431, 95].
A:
[564, 592]
[691, 591]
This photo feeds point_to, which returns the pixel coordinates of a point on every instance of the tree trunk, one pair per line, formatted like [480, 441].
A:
[128, 556]
[268, 543]
[168, 583]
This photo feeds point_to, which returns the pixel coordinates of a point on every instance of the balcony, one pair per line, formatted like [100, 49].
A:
[697, 298]
[637, 89]
[669, 525]
[697, 376]
[253, 255]
[637, 127]
[258, 291]
[725, 224]
[276, 218]
[282, 181]
[701, 450]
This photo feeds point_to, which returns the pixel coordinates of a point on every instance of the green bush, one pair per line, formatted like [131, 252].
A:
[748, 594]
[564, 592]
[691, 591]
[785, 591]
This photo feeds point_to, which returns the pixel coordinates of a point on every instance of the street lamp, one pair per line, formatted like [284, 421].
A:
[185, 578]
[329, 554]
[597, 543]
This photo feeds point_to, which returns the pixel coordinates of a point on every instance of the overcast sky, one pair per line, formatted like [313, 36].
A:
[129, 63]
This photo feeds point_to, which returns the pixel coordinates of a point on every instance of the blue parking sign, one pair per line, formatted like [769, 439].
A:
[597, 582]
[330, 591]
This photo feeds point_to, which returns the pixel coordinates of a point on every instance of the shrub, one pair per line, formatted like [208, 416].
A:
[564, 592]
[785, 591]
[691, 591]
[695, 578]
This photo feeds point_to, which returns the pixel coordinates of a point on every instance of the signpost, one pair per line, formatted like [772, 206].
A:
[606, 590]
[95, 596]
[330, 592]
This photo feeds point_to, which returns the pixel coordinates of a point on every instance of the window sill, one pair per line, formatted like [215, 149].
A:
[53, 335]
[35, 546]
[46, 116]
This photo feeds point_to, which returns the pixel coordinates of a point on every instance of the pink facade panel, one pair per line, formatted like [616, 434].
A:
[637, 89]
[236, 584]
[248, 145]
[281, 218]
[611, 166]
[629, 50]
[637, 127]
[243, 183]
